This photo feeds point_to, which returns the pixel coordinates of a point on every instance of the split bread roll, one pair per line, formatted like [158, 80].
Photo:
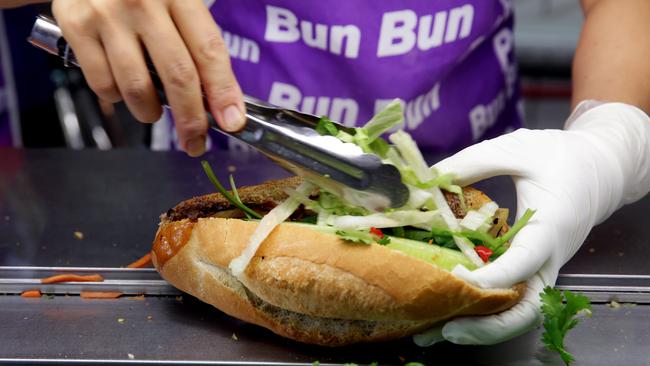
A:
[311, 286]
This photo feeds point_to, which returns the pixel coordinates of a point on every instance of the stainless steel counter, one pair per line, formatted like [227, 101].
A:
[114, 199]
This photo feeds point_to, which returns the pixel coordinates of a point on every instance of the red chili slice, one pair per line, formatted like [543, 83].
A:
[483, 252]
[377, 232]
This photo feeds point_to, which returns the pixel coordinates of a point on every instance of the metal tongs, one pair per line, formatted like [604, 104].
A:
[288, 137]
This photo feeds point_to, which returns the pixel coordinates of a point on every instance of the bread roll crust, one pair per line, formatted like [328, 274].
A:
[316, 288]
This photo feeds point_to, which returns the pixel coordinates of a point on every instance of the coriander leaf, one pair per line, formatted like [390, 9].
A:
[414, 364]
[315, 363]
[355, 236]
[384, 240]
[559, 318]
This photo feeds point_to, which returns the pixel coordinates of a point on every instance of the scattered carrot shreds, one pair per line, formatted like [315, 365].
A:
[31, 293]
[69, 277]
[145, 260]
[137, 297]
[100, 294]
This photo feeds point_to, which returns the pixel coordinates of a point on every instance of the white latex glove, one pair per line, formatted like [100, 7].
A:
[574, 179]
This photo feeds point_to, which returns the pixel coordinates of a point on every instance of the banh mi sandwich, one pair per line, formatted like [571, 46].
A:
[303, 262]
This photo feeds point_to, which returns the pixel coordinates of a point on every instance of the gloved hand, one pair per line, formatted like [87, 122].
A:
[574, 178]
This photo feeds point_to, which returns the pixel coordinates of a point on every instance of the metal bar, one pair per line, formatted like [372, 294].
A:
[15, 280]
[130, 281]
[66, 361]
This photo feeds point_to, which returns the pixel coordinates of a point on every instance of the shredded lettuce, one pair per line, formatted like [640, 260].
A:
[425, 227]
[383, 220]
[481, 219]
[334, 205]
[272, 219]
[412, 156]
[389, 117]
[368, 136]
[325, 126]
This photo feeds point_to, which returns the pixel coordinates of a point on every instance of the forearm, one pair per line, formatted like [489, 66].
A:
[611, 61]
[15, 3]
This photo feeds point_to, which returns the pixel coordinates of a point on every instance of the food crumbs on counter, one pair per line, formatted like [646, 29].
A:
[100, 294]
[232, 168]
[137, 297]
[592, 250]
[78, 235]
[234, 337]
[47, 296]
[131, 356]
[141, 262]
[31, 294]
[121, 320]
[71, 277]
[620, 254]
[149, 317]
[613, 304]
[179, 298]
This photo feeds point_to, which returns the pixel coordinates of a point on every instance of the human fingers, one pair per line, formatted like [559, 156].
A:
[81, 33]
[178, 74]
[504, 155]
[492, 329]
[529, 251]
[128, 65]
[210, 54]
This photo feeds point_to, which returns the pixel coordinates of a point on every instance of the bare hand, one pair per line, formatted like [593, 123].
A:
[110, 38]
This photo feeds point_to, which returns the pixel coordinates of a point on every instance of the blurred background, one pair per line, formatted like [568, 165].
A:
[65, 111]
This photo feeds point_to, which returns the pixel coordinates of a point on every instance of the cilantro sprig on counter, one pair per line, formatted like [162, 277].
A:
[560, 317]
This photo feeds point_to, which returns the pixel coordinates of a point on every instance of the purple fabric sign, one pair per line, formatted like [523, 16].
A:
[452, 62]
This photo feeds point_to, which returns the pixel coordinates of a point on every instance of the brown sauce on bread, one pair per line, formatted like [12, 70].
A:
[170, 239]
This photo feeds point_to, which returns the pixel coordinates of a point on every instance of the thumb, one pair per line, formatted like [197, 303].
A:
[487, 159]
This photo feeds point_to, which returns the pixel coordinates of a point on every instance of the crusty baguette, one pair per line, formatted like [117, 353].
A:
[311, 286]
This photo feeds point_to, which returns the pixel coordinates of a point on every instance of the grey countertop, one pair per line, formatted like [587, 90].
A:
[114, 198]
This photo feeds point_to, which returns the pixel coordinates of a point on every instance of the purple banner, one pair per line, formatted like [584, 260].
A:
[452, 62]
